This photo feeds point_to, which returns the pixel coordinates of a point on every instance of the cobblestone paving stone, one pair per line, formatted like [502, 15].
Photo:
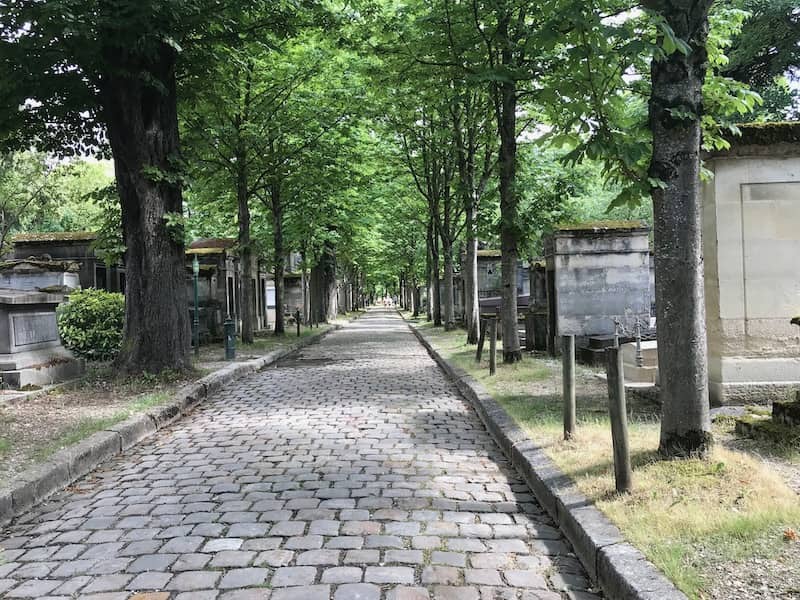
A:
[353, 471]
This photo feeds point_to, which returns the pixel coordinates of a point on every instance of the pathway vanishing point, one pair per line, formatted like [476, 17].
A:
[352, 471]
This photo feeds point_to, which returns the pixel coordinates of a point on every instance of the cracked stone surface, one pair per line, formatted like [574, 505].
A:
[354, 470]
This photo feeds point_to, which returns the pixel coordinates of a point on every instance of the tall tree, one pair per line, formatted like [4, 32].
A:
[95, 74]
[475, 147]
[676, 110]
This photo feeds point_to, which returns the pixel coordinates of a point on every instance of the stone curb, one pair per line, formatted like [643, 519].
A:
[69, 464]
[621, 571]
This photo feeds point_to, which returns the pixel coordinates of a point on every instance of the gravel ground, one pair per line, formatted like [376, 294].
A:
[762, 579]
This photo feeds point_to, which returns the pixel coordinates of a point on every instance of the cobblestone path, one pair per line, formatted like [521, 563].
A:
[352, 471]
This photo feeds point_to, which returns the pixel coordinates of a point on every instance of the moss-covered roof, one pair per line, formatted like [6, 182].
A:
[34, 264]
[766, 134]
[201, 251]
[602, 226]
[490, 253]
[212, 243]
[54, 236]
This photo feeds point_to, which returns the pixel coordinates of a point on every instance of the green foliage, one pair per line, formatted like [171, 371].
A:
[91, 323]
[109, 245]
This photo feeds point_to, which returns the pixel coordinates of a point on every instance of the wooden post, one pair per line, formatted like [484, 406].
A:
[481, 338]
[529, 333]
[619, 420]
[568, 373]
[492, 346]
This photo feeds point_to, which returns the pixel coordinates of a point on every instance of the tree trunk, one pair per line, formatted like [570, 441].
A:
[245, 256]
[470, 276]
[429, 270]
[437, 299]
[279, 260]
[327, 265]
[509, 232]
[305, 288]
[449, 294]
[142, 127]
[680, 300]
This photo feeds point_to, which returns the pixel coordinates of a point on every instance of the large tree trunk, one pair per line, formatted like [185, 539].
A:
[509, 231]
[680, 302]
[279, 259]
[142, 124]
[470, 275]
[245, 257]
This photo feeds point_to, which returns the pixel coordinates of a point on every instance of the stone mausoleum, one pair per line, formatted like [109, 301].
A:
[598, 280]
[751, 243]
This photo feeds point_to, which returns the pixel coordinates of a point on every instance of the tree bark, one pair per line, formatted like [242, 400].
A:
[437, 298]
[680, 301]
[449, 293]
[327, 265]
[429, 270]
[142, 127]
[245, 256]
[470, 275]
[509, 231]
[279, 259]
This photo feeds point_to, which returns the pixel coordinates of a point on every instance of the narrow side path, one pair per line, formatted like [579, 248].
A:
[352, 471]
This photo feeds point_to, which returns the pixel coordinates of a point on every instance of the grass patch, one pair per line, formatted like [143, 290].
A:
[5, 446]
[89, 425]
[686, 516]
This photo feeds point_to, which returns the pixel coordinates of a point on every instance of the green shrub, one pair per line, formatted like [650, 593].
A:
[91, 322]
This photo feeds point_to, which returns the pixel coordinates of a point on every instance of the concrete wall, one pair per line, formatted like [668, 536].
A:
[751, 238]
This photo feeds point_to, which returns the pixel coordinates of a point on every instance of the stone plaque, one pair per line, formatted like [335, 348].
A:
[34, 328]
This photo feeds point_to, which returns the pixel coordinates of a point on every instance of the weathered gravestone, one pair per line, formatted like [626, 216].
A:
[751, 244]
[31, 353]
[598, 278]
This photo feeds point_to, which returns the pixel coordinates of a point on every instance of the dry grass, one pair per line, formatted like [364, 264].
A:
[692, 518]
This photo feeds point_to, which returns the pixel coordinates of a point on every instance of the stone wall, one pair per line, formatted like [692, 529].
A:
[751, 237]
[598, 274]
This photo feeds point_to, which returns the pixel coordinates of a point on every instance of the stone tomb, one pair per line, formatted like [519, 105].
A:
[751, 243]
[39, 274]
[31, 353]
[597, 274]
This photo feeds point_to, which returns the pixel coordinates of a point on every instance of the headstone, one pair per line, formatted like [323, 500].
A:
[31, 353]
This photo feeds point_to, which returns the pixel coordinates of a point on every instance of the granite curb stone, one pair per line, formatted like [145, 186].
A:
[621, 570]
[71, 463]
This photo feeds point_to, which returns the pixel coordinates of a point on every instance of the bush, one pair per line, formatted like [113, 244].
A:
[91, 322]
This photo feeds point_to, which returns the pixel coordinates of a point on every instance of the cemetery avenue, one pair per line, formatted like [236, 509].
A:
[354, 470]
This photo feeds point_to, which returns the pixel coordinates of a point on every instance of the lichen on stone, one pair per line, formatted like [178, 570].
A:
[55, 236]
[601, 226]
[766, 134]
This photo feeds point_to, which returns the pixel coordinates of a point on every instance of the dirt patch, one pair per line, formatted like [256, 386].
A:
[34, 427]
